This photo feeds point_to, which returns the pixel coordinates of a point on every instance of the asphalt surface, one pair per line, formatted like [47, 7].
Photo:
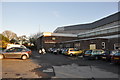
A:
[59, 67]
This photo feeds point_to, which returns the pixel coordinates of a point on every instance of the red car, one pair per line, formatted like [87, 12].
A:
[116, 57]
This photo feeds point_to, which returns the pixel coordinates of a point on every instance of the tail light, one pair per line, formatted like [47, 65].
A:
[29, 52]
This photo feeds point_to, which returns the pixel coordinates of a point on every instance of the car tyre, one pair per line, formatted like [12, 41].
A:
[96, 58]
[24, 57]
[71, 54]
[1, 56]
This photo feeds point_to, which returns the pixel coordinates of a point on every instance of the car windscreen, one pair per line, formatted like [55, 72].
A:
[74, 50]
[117, 54]
[88, 52]
[113, 52]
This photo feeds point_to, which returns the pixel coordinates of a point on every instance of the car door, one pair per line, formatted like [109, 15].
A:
[9, 53]
[17, 53]
[13, 53]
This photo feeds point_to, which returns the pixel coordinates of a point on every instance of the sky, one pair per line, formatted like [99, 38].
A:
[27, 18]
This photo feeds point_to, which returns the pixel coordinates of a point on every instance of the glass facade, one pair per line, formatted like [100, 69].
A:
[100, 31]
[105, 29]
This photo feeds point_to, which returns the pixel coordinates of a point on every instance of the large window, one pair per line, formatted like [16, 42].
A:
[101, 31]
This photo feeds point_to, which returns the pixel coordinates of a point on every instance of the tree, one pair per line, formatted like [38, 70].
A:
[9, 34]
[4, 38]
[13, 41]
[3, 41]
[23, 39]
[34, 37]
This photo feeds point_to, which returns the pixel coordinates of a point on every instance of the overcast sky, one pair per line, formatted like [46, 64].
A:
[26, 18]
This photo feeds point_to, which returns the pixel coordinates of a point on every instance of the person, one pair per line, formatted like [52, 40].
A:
[40, 51]
[43, 51]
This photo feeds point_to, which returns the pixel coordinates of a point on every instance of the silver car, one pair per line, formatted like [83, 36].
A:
[16, 52]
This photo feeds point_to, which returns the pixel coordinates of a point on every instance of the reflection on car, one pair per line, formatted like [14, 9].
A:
[116, 57]
[93, 54]
[16, 52]
[72, 51]
[108, 54]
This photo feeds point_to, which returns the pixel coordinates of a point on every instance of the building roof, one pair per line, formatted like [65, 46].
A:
[47, 34]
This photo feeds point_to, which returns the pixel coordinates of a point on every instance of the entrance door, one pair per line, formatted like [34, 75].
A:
[92, 46]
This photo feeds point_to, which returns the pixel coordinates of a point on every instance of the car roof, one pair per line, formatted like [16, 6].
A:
[17, 47]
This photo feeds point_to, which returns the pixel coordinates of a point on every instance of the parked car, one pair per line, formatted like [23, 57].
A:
[93, 54]
[50, 50]
[108, 54]
[55, 51]
[63, 50]
[83, 52]
[72, 52]
[16, 52]
[116, 57]
[14, 45]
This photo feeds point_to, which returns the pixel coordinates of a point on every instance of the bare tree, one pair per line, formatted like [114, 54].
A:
[9, 34]
[34, 37]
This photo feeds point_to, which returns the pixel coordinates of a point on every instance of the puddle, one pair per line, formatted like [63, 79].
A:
[45, 71]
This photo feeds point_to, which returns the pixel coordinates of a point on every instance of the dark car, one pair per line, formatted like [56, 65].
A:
[116, 57]
[108, 54]
[93, 54]
[16, 52]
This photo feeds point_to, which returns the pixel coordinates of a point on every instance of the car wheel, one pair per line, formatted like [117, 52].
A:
[71, 54]
[96, 58]
[1, 56]
[24, 57]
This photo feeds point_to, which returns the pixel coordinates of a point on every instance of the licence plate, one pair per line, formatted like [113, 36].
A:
[116, 58]
[104, 57]
[87, 54]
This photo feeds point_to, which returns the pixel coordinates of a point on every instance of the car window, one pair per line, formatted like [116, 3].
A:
[88, 52]
[95, 52]
[25, 49]
[18, 49]
[15, 50]
[10, 50]
[99, 52]
[74, 50]
[117, 54]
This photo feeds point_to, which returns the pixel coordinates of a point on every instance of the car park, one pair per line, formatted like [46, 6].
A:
[16, 52]
[72, 52]
[93, 54]
[116, 57]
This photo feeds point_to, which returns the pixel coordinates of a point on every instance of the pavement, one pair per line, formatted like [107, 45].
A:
[59, 67]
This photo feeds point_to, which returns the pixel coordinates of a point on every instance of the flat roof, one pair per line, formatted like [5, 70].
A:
[47, 34]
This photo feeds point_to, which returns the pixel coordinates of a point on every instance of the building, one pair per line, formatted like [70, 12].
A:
[101, 34]
[74, 29]
[49, 40]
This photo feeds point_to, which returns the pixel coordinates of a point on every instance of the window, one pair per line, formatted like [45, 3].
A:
[53, 38]
[10, 50]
